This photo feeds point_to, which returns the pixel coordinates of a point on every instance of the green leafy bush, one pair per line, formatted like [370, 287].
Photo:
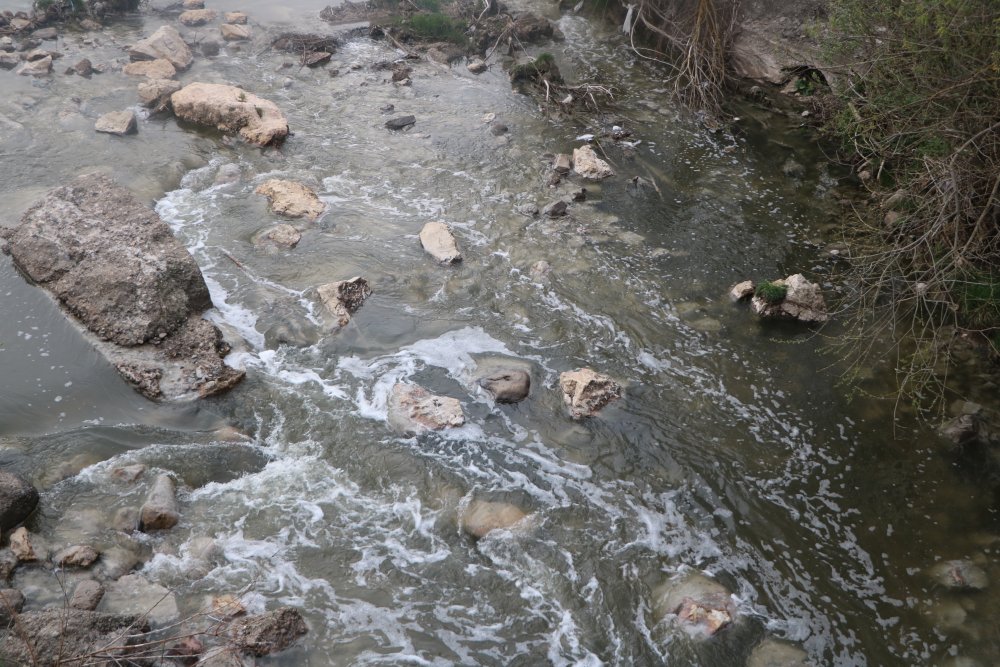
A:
[772, 293]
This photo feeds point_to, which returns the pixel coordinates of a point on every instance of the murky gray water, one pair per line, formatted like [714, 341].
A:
[734, 452]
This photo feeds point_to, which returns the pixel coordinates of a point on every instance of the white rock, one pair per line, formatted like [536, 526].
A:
[588, 165]
[413, 409]
[118, 123]
[437, 239]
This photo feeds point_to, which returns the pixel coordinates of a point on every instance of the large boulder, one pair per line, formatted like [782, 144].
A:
[18, 499]
[50, 637]
[510, 385]
[231, 109]
[118, 270]
[291, 199]
[585, 392]
[413, 409]
[166, 43]
[793, 298]
[268, 633]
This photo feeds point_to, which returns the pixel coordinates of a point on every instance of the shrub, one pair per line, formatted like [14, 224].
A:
[772, 293]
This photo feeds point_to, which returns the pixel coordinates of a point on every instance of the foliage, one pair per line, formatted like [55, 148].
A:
[434, 26]
[542, 67]
[772, 293]
[920, 116]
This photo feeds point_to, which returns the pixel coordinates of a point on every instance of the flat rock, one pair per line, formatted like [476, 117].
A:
[803, 302]
[277, 236]
[401, 122]
[742, 291]
[587, 392]
[18, 499]
[588, 165]
[23, 547]
[437, 239]
[80, 555]
[773, 653]
[481, 517]
[45, 33]
[507, 386]
[315, 58]
[268, 633]
[160, 511]
[161, 68]
[413, 409]
[117, 269]
[235, 33]
[37, 68]
[231, 109]
[49, 637]
[11, 604]
[155, 93]
[195, 17]
[344, 297]
[235, 18]
[118, 123]
[133, 594]
[193, 4]
[291, 199]
[87, 595]
[166, 43]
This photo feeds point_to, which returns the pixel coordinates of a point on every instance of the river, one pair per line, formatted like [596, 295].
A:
[735, 451]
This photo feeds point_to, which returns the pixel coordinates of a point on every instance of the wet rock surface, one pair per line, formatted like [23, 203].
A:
[803, 301]
[344, 297]
[134, 595]
[507, 386]
[160, 511]
[413, 409]
[160, 68]
[589, 166]
[165, 43]
[232, 110]
[291, 199]
[586, 392]
[701, 605]
[11, 604]
[437, 239]
[268, 633]
[118, 123]
[87, 595]
[482, 517]
[47, 638]
[18, 499]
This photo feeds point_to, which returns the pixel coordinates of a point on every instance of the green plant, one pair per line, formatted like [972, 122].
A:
[772, 293]
[434, 26]
[242, 97]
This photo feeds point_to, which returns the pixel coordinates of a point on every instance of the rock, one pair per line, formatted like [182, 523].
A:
[235, 18]
[9, 61]
[84, 68]
[45, 33]
[193, 4]
[803, 302]
[268, 633]
[315, 58]
[116, 267]
[961, 430]
[772, 653]
[278, 236]
[11, 604]
[126, 519]
[476, 66]
[587, 392]
[18, 499]
[344, 297]
[80, 555]
[401, 72]
[555, 209]
[23, 547]
[134, 594]
[228, 173]
[90, 24]
[195, 17]
[155, 93]
[231, 109]
[400, 123]
[48, 637]
[960, 575]
[37, 68]
[588, 165]
[562, 164]
[129, 474]
[151, 69]
[793, 169]
[235, 33]
[227, 606]
[530, 28]
[291, 199]
[220, 656]
[498, 128]
[481, 517]
[40, 54]
[437, 239]
[19, 24]
[529, 209]
[166, 43]
[87, 595]
[210, 48]
[702, 605]
[507, 386]
[540, 270]
[160, 512]
[413, 409]
[8, 563]
[741, 291]
[119, 123]
[186, 650]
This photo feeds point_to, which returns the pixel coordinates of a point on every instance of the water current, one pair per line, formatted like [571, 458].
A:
[735, 452]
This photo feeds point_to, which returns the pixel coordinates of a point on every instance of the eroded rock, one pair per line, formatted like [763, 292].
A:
[118, 123]
[588, 165]
[23, 547]
[587, 392]
[87, 595]
[291, 199]
[235, 33]
[160, 511]
[413, 409]
[165, 43]
[18, 499]
[701, 605]
[196, 17]
[155, 93]
[437, 239]
[268, 633]
[49, 637]
[344, 297]
[277, 236]
[231, 109]
[81, 555]
[507, 386]
[803, 301]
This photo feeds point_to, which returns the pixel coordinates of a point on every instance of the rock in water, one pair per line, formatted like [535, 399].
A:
[268, 633]
[81, 555]
[134, 594]
[119, 123]
[235, 18]
[507, 386]
[587, 164]
[231, 109]
[401, 122]
[11, 604]
[48, 637]
[961, 575]
[413, 409]
[741, 291]
[344, 297]
[586, 392]
[156, 93]
[235, 33]
[436, 238]
[87, 595]
[278, 236]
[482, 517]
[803, 301]
[772, 653]
[160, 512]
[562, 164]
[23, 547]
[291, 199]
[476, 66]
[164, 43]
[194, 17]
[18, 499]
[701, 605]
[36, 68]
[151, 69]
[193, 4]
[116, 267]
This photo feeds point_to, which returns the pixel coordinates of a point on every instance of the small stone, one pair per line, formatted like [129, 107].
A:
[529, 209]
[45, 33]
[437, 239]
[580, 195]
[588, 165]
[482, 517]
[235, 33]
[84, 68]
[155, 93]
[22, 546]
[18, 499]
[476, 66]
[90, 24]
[151, 69]
[280, 236]
[540, 270]
[130, 473]
[556, 209]
[119, 123]
[498, 128]
[344, 297]
[315, 58]
[195, 17]
[562, 164]
[413, 409]
[11, 604]
[401, 72]
[741, 291]
[268, 633]
[87, 595]
[80, 555]
[227, 606]
[507, 386]
[37, 68]
[291, 199]
[587, 392]
[160, 509]
[235, 18]
[960, 575]
[401, 122]
[772, 653]
[9, 61]
[702, 605]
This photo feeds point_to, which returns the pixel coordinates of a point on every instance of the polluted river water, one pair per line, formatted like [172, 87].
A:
[734, 453]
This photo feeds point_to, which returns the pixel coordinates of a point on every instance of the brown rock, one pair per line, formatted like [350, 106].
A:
[195, 17]
[344, 297]
[166, 43]
[231, 109]
[80, 555]
[160, 509]
[588, 165]
[21, 545]
[87, 595]
[84, 68]
[562, 164]
[413, 409]
[235, 33]
[586, 392]
[151, 69]
[481, 517]
[507, 386]
[742, 291]
[119, 123]
[156, 93]
[291, 199]
[268, 633]
[235, 18]
[126, 519]
[277, 236]
[227, 606]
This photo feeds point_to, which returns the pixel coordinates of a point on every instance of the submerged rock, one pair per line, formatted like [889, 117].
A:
[18, 499]
[401, 122]
[268, 633]
[160, 512]
[118, 270]
[118, 123]
[437, 239]
[587, 392]
[37, 68]
[165, 43]
[413, 409]
[562, 164]
[481, 517]
[49, 637]
[277, 236]
[151, 69]
[134, 594]
[960, 575]
[588, 165]
[772, 653]
[507, 386]
[195, 17]
[802, 301]
[235, 18]
[701, 605]
[344, 297]
[235, 33]
[87, 595]
[291, 199]
[156, 93]
[81, 555]
[231, 109]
